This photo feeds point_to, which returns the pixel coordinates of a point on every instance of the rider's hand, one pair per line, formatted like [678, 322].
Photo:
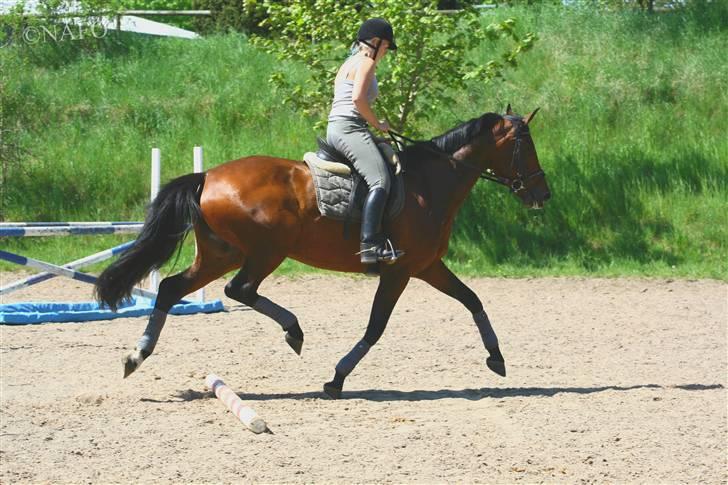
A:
[383, 126]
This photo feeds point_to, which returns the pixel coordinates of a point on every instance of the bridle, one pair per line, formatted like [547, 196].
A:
[515, 184]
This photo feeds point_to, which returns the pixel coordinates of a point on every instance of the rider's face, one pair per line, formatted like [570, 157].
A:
[383, 47]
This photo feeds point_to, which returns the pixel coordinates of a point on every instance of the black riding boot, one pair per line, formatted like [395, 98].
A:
[374, 246]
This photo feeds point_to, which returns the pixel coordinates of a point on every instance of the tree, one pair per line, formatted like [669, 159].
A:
[434, 58]
[238, 15]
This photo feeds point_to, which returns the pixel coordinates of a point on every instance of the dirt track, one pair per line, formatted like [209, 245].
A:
[609, 380]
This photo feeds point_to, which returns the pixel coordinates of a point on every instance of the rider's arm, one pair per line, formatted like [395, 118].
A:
[362, 81]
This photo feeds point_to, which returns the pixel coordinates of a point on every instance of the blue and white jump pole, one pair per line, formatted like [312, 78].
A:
[61, 271]
[79, 263]
[29, 229]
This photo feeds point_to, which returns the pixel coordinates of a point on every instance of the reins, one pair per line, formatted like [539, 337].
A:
[514, 184]
[427, 145]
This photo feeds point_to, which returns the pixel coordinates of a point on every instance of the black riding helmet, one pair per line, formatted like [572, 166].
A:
[376, 28]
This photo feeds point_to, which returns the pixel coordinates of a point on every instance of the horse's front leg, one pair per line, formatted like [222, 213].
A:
[390, 289]
[439, 276]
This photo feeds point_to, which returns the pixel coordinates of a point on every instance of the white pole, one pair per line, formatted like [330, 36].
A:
[156, 176]
[231, 400]
[197, 155]
[79, 263]
[197, 166]
[61, 271]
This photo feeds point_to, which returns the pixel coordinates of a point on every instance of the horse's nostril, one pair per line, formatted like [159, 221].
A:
[546, 196]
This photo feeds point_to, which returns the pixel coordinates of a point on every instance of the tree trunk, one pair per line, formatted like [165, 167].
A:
[406, 108]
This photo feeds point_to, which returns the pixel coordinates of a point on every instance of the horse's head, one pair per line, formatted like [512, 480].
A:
[513, 161]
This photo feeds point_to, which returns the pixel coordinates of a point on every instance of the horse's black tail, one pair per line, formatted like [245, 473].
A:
[169, 217]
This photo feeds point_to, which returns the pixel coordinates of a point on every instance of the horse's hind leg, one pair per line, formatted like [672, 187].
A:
[440, 277]
[244, 288]
[213, 260]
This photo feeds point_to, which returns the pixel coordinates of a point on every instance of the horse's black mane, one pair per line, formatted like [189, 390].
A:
[454, 139]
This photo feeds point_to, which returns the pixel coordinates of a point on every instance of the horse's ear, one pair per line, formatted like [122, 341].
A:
[508, 110]
[530, 116]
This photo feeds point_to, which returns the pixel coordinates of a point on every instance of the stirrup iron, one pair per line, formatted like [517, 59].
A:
[383, 252]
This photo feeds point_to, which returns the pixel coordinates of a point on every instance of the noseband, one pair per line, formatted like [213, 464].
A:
[515, 184]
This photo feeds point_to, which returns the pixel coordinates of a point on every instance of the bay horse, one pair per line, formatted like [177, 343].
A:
[252, 213]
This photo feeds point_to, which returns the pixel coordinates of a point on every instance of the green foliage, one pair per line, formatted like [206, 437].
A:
[238, 15]
[157, 4]
[50, 39]
[430, 65]
[645, 5]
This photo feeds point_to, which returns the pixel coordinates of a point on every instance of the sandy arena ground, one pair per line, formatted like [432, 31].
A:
[609, 380]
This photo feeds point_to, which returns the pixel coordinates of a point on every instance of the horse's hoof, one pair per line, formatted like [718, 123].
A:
[497, 366]
[132, 362]
[332, 391]
[295, 343]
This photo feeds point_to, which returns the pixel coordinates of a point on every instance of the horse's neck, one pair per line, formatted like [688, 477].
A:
[445, 187]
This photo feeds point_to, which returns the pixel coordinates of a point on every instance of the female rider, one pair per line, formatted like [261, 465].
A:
[355, 88]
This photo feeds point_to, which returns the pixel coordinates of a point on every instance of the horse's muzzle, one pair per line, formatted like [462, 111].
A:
[535, 198]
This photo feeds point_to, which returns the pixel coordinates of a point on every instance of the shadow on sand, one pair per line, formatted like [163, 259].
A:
[433, 395]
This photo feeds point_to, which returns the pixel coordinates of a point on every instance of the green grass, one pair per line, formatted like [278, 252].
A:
[631, 134]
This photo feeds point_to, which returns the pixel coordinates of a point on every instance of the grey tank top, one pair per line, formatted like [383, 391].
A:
[343, 107]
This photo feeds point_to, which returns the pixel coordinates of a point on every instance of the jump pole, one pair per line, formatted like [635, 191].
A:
[231, 400]
[79, 263]
[68, 228]
[61, 271]
[71, 225]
